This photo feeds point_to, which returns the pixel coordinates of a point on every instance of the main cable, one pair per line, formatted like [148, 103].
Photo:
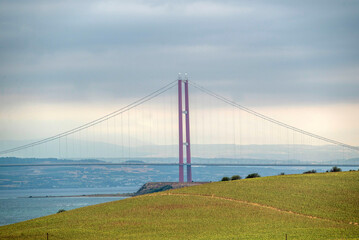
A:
[97, 121]
[234, 104]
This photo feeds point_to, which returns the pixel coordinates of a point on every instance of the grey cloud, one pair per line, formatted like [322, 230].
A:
[66, 51]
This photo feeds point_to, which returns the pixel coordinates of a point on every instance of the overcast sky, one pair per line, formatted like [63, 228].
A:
[273, 56]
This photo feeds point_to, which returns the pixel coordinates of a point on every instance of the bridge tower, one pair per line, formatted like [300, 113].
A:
[185, 112]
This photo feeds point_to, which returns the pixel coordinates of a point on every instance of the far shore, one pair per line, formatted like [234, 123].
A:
[86, 195]
[150, 187]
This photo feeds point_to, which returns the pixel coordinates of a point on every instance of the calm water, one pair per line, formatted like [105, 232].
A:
[16, 206]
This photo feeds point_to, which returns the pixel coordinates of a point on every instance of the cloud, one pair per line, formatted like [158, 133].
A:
[89, 50]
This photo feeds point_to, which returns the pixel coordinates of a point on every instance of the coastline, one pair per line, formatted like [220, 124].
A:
[149, 187]
[86, 195]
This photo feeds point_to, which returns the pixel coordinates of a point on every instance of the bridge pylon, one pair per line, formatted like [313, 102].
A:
[181, 143]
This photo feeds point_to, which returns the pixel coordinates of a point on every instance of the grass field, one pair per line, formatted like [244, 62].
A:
[308, 206]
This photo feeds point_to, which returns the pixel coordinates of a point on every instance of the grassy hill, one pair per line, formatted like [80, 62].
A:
[308, 206]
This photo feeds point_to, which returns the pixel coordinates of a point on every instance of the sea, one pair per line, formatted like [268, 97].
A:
[17, 205]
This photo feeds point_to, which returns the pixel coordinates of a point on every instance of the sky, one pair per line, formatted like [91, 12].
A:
[64, 63]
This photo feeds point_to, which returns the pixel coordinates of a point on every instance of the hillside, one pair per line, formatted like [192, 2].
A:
[307, 206]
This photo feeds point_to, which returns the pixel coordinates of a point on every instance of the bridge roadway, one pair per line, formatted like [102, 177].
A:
[176, 164]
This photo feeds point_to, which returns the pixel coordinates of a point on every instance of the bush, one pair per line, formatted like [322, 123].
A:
[253, 175]
[225, 179]
[335, 169]
[61, 210]
[310, 171]
[236, 177]
[282, 173]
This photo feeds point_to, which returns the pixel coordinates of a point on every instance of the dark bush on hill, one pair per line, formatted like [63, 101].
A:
[236, 177]
[225, 179]
[61, 210]
[253, 175]
[335, 169]
[310, 171]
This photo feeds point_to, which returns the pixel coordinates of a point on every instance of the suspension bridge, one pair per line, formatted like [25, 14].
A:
[172, 126]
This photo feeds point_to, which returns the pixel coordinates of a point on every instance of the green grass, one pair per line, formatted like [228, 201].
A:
[329, 195]
[260, 208]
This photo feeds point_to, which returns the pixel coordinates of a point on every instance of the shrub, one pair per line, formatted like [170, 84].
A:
[282, 173]
[61, 210]
[225, 179]
[236, 177]
[335, 169]
[253, 175]
[310, 171]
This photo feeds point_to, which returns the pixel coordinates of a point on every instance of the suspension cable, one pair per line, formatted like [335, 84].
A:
[97, 121]
[234, 104]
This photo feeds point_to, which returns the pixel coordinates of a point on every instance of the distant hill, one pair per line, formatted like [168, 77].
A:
[306, 206]
[347, 161]
[14, 160]
[268, 152]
